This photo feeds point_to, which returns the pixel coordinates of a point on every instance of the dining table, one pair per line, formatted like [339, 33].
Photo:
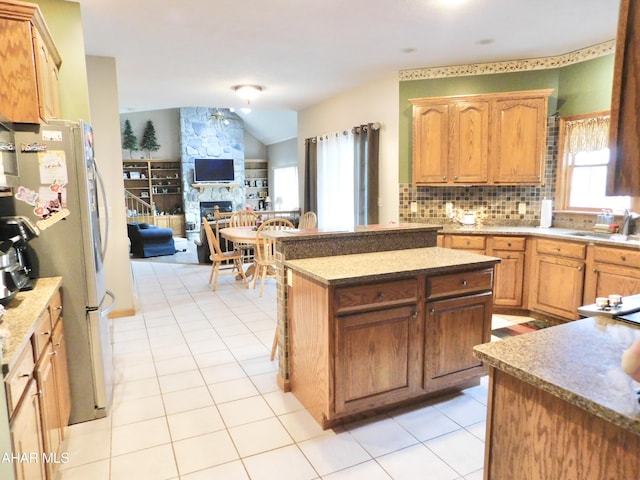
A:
[242, 235]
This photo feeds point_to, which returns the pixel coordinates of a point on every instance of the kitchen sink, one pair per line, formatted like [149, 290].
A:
[591, 234]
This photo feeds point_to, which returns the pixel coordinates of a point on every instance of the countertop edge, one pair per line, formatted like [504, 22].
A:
[23, 311]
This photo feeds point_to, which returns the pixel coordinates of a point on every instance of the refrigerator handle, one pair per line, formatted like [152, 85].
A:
[107, 207]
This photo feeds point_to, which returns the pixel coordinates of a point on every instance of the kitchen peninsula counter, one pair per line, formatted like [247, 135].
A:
[560, 405]
[373, 331]
[22, 313]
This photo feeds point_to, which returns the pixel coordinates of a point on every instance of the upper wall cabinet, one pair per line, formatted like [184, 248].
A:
[30, 64]
[624, 167]
[493, 139]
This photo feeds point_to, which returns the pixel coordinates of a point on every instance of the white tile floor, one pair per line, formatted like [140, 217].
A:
[195, 398]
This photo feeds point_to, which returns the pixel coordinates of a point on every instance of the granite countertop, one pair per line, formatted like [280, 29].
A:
[342, 269]
[362, 230]
[553, 232]
[22, 313]
[579, 362]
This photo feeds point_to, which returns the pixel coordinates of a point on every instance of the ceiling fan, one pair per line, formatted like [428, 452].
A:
[223, 118]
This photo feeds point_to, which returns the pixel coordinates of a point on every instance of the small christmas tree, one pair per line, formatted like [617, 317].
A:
[129, 140]
[149, 142]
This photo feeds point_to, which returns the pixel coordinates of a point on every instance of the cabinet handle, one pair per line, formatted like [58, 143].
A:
[53, 353]
[46, 333]
[58, 307]
[24, 375]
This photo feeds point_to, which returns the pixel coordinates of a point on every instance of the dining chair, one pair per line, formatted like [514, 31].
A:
[308, 220]
[265, 259]
[243, 218]
[224, 263]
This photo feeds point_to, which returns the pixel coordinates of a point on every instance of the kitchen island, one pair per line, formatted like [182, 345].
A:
[372, 331]
[318, 242]
[560, 406]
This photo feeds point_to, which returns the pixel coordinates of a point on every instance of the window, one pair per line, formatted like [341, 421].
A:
[285, 188]
[584, 156]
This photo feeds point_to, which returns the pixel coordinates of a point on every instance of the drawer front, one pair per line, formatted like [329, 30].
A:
[55, 308]
[18, 377]
[378, 295]
[562, 249]
[472, 242]
[516, 244]
[42, 334]
[618, 256]
[457, 284]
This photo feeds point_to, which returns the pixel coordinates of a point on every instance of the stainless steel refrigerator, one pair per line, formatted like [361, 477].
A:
[60, 191]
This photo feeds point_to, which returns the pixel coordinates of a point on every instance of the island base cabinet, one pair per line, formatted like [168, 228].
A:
[453, 327]
[533, 435]
[378, 358]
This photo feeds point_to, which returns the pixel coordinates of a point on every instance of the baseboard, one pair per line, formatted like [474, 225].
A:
[126, 312]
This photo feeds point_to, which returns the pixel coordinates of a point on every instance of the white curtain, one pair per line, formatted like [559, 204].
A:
[587, 134]
[335, 181]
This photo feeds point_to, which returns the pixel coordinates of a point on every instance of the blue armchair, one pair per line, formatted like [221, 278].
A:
[149, 240]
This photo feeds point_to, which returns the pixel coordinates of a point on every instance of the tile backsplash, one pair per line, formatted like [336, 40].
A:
[497, 205]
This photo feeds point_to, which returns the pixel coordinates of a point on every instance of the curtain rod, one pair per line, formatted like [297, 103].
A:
[355, 130]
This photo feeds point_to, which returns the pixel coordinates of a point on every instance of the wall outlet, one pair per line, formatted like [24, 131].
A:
[522, 208]
[414, 207]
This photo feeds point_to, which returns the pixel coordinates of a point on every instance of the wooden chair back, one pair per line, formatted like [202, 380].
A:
[243, 218]
[308, 220]
[214, 245]
[265, 247]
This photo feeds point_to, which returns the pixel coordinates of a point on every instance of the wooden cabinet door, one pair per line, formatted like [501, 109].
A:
[453, 327]
[48, 91]
[518, 140]
[26, 436]
[509, 278]
[18, 90]
[378, 358]
[623, 176]
[557, 286]
[470, 142]
[431, 144]
[49, 410]
[609, 279]
[61, 372]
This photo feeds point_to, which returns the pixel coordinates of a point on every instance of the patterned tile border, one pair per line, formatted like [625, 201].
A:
[542, 63]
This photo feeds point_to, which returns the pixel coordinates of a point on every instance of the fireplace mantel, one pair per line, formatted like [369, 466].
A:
[204, 186]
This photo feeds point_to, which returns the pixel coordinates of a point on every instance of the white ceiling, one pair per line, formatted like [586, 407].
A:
[172, 53]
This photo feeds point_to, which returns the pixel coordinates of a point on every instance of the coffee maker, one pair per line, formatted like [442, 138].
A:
[15, 268]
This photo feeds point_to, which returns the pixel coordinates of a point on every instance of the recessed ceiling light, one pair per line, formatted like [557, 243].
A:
[485, 41]
[409, 50]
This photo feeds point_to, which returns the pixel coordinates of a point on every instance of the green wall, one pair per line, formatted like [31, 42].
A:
[65, 24]
[586, 87]
[578, 88]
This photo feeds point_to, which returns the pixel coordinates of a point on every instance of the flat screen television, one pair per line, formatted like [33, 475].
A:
[208, 170]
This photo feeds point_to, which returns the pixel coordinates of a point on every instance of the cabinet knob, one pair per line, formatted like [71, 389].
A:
[46, 333]
[24, 375]
[444, 177]
[595, 270]
[464, 283]
[380, 296]
[415, 314]
[579, 269]
[623, 258]
[433, 310]
[455, 177]
[508, 244]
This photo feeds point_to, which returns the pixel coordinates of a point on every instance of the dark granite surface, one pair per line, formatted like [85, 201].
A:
[579, 362]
